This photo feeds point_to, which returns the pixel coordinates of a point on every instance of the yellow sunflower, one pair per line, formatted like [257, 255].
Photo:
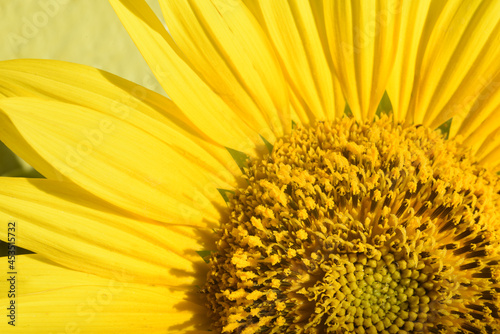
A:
[273, 191]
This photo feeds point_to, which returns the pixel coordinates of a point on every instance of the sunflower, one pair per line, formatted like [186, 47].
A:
[318, 167]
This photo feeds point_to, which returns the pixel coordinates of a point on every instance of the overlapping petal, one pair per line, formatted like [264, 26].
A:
[75, 229]
[479, 129]
[52, 299]
[363, 39]
[118, 154]
[294, 31]
[96, 89]
[228, 49]
[194, 97]
[418, 18]
[460, 58]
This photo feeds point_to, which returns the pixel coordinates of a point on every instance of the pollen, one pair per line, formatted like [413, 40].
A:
[350, 227]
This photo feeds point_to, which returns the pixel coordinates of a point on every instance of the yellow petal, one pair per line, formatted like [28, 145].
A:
[479, 129]
[363, 39]
[461, 58]
[77, 230]
[418, 18]
[194, 97]
[52, 299]
[489, 152]
[300, 111]
[293, 30]
[229, 50]
[118, 154]
[483, 118]
[96, 89]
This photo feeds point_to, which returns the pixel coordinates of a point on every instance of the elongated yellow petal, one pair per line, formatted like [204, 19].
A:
[363, 38]
[489, 152]
[229, 50]
[482, 119]
[52, 299]
[77, 230]
[194, 97]
[96, 89]
[418, 18]
[119, 155]
[293, 30]
[461, 58]
[479, 128]
[300, 111]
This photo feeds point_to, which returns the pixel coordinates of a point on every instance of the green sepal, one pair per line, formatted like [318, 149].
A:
[205, 255]
[385, 105]
[348, 111]
[239, 157]
[269, 146]
[224, 194]
[445, 128]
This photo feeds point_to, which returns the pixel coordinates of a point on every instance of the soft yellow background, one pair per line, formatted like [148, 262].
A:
[80, 31]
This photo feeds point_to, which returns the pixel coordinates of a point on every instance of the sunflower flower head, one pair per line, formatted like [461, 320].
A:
[360, 228]
[361, 217]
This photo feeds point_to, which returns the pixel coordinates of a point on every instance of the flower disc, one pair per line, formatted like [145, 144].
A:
[360, 228]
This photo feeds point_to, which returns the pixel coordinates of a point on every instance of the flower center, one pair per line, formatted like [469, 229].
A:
[360, 228]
